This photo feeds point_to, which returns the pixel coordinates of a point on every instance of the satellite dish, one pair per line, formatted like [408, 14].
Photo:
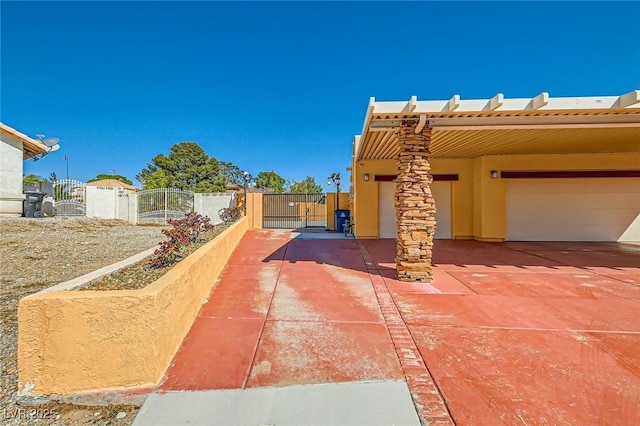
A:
[53, 144]
[50, 142]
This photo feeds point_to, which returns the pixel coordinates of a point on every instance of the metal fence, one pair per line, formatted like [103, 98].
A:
[69, 197]
[292, 211]
[158, 205]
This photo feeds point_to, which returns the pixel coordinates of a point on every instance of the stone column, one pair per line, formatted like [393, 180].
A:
[415, 207]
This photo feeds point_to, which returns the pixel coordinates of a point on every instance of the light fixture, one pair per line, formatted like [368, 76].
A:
[494, 174]
[246, 176]
[366, 177]
[335, 178]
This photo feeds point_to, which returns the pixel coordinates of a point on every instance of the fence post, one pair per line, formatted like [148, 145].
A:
[165, 204]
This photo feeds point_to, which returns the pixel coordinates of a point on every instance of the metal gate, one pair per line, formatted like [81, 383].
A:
[292, 211]
[69, 197]
[158, 205]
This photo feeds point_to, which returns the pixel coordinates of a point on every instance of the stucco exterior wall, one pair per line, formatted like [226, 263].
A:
[11, 159]
[254, 209]
[331, 208]
[461, 194]
[365, 202]
[478, 201]
[109, 203]
[82, 341]
[490, 206]
[211, 204]
[366, 195]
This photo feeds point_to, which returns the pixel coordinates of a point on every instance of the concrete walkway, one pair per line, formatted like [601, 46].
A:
[371, 403]
[310, 330]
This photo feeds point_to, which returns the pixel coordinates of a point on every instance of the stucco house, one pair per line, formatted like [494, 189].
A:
[112, 183]
[15, 147]
[522, 169]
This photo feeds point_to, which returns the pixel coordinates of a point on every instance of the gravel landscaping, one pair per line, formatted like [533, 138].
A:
[39, 253]
[140, 274]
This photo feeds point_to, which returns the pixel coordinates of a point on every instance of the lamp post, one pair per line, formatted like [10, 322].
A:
[335, 178]
[66, 158]
[246, 176]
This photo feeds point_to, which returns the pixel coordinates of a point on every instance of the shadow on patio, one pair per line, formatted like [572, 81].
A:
[460, 255]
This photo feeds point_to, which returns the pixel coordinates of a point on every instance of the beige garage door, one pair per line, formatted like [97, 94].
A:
[592, 209]
[387, 211]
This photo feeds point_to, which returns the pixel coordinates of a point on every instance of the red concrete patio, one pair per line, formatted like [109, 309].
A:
[512, 333]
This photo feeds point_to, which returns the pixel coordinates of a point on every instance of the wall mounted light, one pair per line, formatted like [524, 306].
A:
[494, 174]
[366, 177]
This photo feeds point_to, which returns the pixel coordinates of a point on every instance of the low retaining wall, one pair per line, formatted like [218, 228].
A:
[91, 341]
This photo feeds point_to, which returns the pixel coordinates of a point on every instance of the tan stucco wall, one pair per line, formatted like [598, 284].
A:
[331, 207]
[490, 202]
[254, 209]
[461, 194]
[478, 202]
[81, 341]
[365, 200]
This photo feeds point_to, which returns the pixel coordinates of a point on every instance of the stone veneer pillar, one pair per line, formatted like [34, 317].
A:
[415, 207]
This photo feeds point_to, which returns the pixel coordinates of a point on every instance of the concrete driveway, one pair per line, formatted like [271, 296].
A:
[513, 333]
[528, 333]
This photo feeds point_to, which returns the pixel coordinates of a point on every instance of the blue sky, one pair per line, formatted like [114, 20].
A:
[283, 86]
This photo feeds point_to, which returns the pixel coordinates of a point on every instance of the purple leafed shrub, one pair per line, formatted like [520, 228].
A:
[183, 233]
[230, 214]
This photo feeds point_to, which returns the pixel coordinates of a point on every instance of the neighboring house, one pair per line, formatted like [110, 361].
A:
[112, 183]
[15, 147]
[238, 187]
[235, 187]
[537, 169]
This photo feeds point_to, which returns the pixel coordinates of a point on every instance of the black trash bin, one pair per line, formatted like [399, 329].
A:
[342, 216]
[32, 204]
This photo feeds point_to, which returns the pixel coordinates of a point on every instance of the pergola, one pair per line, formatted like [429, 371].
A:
[413, 132]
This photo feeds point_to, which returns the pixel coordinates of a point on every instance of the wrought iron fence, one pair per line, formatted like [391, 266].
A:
[291, 211]
[158, 205]
[69, 197]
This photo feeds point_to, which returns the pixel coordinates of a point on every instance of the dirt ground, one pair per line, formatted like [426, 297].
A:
[39, 253]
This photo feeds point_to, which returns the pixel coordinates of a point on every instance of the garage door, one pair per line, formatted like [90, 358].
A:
[593, 209]
[387, 211]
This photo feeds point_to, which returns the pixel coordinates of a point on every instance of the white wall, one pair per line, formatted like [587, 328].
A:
[10, 177]
[133, 207]
[110, 203]
[116, 203]
[211, 204]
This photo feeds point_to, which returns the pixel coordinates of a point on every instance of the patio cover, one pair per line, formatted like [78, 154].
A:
[500, 126]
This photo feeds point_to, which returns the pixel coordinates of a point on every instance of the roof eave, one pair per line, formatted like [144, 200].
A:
[31, 147]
